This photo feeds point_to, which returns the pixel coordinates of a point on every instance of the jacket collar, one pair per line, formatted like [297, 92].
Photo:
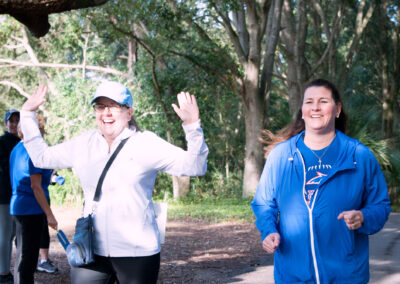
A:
[346, 151]
[127, 132]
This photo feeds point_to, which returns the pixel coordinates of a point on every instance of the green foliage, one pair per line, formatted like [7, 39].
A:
[215, 186]
[68, 193]
[69, 112]
[211, 187]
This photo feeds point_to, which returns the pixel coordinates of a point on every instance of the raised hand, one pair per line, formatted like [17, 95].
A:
[36, 100]
[188, 110]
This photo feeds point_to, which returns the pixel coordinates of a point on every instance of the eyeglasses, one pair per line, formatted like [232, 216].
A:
[111, 107]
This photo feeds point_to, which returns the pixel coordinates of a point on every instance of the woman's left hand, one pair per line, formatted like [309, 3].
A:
[354, 219]
[188, 110]
[36, 100]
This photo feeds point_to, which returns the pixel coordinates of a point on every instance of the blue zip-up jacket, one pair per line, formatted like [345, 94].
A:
[315, 246]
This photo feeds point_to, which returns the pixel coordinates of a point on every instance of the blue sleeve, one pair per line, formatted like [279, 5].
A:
[264, 203]
[32, 169]
[376, 203]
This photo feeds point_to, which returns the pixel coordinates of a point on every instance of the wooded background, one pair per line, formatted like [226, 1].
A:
[246, 61]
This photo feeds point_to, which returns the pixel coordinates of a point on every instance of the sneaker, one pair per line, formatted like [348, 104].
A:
[7, 279]
[46, 266]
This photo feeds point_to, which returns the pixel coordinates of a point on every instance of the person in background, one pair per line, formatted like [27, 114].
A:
[30, 208]
[7, 225]
[45, 264]
[320, 195]
[127, 239]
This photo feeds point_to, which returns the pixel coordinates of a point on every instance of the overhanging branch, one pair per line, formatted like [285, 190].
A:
[14, 63]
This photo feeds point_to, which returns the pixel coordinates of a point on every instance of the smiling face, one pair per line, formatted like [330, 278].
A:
[111, 118]
[12, 124]
[319, 110]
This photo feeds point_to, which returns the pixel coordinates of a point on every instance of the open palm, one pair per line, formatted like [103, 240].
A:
[36, 100]
[188, 110]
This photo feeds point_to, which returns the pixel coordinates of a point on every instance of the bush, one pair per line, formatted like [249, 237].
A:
[70, 192]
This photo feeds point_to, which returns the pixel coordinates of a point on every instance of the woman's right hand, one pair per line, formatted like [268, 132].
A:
[52, 222]
[36, 100]
[271, 242]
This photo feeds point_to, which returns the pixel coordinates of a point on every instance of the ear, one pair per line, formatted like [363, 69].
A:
[339, 109]
[130, 113]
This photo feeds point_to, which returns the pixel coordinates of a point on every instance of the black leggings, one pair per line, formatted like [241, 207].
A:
[45, 236]
[29, 230]
[132, 270]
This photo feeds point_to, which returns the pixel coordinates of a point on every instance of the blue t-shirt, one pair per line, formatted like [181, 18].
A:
[316, 171]
[23, 201]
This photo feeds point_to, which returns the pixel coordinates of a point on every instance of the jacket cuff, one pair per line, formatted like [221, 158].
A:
[191, 126]
[26, 113]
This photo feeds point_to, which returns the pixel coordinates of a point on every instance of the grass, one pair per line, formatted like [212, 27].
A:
[395, 208]
[215, 211]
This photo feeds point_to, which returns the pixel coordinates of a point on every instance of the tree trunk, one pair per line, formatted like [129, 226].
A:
[387, 102]
[181, 186]
[293, 88]
[293, 49]
[362, 19]
[273, 28]
[254, 122]
[388, 49]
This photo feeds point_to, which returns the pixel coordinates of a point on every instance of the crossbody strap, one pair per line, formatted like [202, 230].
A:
[108, 165]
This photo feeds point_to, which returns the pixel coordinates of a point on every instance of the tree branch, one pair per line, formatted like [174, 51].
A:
[239, 22]
[361, 23]
[331, 35]
[15, 86]
[113, 21]
[231, 33]
[13, 63]
[22, 92]
[273, 28]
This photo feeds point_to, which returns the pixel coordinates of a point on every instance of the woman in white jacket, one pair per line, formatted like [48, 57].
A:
[127, 245]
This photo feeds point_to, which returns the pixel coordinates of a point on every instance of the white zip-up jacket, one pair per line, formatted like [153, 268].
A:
[124, 218]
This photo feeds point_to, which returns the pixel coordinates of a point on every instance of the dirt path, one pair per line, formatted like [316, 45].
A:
[194, 252]
[199, 252]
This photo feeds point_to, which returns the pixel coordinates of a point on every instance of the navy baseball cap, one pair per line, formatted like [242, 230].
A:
[9, 113]
[114, 91]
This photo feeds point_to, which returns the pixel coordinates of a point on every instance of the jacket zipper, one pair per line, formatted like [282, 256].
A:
[310, 217]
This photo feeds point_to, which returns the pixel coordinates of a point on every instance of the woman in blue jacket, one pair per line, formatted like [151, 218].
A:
[320, 195]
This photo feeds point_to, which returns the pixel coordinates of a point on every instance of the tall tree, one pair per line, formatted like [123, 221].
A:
[388, 47]
[253, 29]
[314, 41]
